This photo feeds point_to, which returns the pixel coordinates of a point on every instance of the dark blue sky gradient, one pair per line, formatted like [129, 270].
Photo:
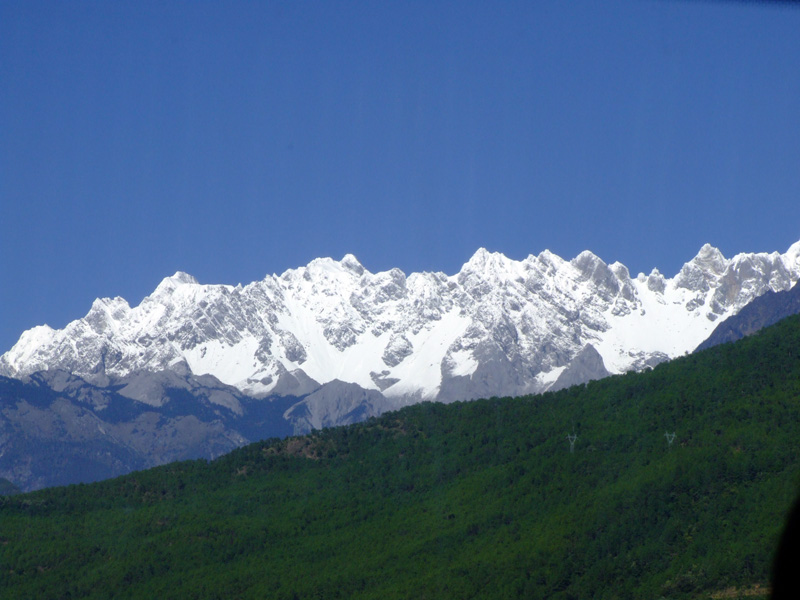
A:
[233, 140]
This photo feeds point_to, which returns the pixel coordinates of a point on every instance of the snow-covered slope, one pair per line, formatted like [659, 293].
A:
[498, 327]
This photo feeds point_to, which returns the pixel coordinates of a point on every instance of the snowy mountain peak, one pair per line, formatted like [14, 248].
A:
[107, 311]
[351, 263]
[484, 261]
[711, 259]
[169, 284]
[709, 252]
[620, 271]
[587, 257]
[792, 256]
[497, 327]
[551, 262]
[109, 304]
[701, 273]
[327, 268]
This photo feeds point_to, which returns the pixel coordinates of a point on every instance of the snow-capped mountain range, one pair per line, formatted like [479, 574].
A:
[497, 327]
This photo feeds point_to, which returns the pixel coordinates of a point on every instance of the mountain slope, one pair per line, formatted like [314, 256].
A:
[481, 499]
[56, 429]
[498, 327]
[761, 312]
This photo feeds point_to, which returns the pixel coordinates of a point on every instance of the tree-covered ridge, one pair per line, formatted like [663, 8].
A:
[470, 500]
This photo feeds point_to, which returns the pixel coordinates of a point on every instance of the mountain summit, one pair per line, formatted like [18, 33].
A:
[497, 327]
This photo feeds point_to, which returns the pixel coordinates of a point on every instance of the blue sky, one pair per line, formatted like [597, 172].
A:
[233, 140]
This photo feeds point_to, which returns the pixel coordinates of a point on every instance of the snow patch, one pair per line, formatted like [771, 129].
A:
[545, 380]
[421, 373]
[464, 363]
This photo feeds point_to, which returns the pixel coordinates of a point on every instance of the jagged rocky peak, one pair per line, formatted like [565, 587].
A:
[626, 290]
[538, 270]
[497, 327]
[181, 277]
[748, 276]
[587, 262]
[105, 311]
[711, 259]
[700, 273]
[330, 267]
[110, 305]
[487, 273]
[386, 286]
[655, 281]
[548, 258]
[478, 260]
[762, 268]
[169, 284]
[604, 280]
[474, 274]
[592, 267]
[351, 263]
[489, 264]
[620, 271]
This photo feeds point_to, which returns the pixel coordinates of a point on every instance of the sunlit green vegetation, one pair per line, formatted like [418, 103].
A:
[469, 500]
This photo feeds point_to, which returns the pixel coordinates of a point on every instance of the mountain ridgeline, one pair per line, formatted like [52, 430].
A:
[331, 343]
[497, 327]
[677, 486]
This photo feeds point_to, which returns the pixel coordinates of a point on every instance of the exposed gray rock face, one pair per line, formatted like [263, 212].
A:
[498, 327]
[648, 361]
[656, 282]
[495, 371]
[586, 366]
[154, 388]
[294, 383]
[382, 379]
[701, 273]
[336, 403]
[396, 350]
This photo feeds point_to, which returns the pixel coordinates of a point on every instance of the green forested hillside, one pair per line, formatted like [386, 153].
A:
[470, 500]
